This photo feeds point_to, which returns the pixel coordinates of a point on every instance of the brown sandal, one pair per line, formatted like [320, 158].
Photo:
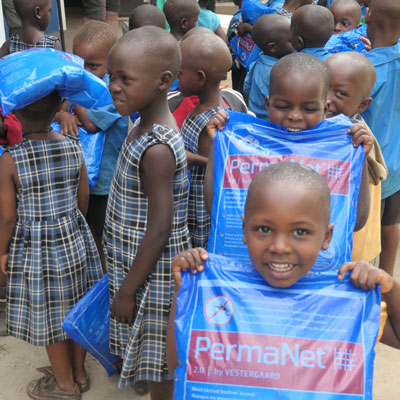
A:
[46, 388]
[83, 383]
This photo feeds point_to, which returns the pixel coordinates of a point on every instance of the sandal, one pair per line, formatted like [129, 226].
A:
[46, 388]
[83, 384]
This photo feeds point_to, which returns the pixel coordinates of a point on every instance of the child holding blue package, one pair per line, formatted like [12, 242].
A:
[92, 42]
[285, 226]
[346, 15]
[146, 214]
[35, 18]
[47, 250]
[383, 115]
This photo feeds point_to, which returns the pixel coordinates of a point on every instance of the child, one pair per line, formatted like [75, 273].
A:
[383, 116]
[181, 16]
[352, 77]
[210, 20]
[143, 15]
[45, 245]
[205, 61]
[147, 208]
[271, 34]
[93, 42]
[346, 14]
[285, 225]
[35, 17]
[297, 101]
[311, 28]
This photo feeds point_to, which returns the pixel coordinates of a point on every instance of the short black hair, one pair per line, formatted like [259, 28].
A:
[176, 10]
[25, 7]
[293, 174]
[147, 14]
[307, 64]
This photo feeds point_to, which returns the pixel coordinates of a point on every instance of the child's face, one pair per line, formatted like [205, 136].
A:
[345, 94]
[285, 229]
[133, 82]
[297, 102]
[345, 19]
[95, 58]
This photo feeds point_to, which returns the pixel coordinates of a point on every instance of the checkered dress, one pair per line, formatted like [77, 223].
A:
[142, 346]
[199, 221]
[16, 44]
[53, 259]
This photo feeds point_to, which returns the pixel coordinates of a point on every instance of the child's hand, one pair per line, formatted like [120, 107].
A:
[4, 263]
[190, 259]
[123, 307]
[367, 43]
[218, 121]
[361, 135]
[244, 28]
[69, 124]
[366, 276]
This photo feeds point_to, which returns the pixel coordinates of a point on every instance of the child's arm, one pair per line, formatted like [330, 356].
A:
[221, 33]
[244, 28]
[157, 174]
[83, 190]
[360, 135]
[85, 120]
[69, 123]
[218, 121]
[366, 276]
[5, 48]
[192, 259]
[8, 206]
[195, 159]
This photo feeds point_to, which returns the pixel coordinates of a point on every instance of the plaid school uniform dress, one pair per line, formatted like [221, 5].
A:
[16, 44]
[142, 346]
[53, 259]
[199, 221]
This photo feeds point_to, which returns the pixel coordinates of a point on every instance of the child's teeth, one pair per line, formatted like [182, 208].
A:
[281, 267]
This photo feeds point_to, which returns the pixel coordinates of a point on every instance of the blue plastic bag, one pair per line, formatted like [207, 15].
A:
[27, 76]
[239, 338]
[92, 147]
[248, 144]
[1, 151]
[88, 325]
[347, 41]
[245, 50]
[254, 9]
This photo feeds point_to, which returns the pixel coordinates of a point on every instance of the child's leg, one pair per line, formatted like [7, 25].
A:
[161, 390]
[78, 356]
[389, 242]
[60, 359]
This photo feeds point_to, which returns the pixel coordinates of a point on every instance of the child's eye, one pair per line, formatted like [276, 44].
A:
[300, 232]
[340, 93]
[263, 229]
[91, 66]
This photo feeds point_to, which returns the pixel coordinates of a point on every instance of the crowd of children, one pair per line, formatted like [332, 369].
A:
[147, 218]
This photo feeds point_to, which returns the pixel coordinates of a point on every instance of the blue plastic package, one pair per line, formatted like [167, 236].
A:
[245, 50]
[1, 151]
[88, 325]
[29, 75]
[254, 9]
[248, 144]
[92, 147]
[239, 338]
[347, 41]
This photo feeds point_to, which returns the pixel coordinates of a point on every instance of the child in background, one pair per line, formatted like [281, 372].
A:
[271, 34]
[143, 15]
[43, 194]
[311, 27]
[352, 77]
[147, 208]
[383, 115]
[181, 16]
[93, 42]
[35, 17]
[286, 223]
[297, 101]
[346, 15]
[210, 20]
[205, 61]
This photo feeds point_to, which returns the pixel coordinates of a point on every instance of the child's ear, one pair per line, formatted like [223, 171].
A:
[184, 24]
[368, 16]
[166, 80]
[364, 105]
[266, 103]
[37, 12]
[298, 44]
[201, 77]
[244, 239]
[271, 48]
[328, 237]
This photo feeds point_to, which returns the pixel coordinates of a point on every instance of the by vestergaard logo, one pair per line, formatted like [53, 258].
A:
[248, 143]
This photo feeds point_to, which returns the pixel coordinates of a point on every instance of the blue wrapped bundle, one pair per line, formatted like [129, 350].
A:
[29, 75]
[245, 50]
[347, 41]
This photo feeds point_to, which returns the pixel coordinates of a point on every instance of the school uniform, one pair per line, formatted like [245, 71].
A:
[256, 84]
[318, 52]
[142, 345]
[383, 115]
[16, 44]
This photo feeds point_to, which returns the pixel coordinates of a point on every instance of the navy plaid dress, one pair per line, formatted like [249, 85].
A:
[199, 221]
[53, 259]
[142, 346]
[16, 44]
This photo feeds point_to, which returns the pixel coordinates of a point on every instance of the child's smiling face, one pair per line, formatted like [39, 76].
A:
[285, 228]
[296, 101]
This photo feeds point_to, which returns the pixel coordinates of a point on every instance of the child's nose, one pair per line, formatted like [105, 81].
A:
[295, 114]
[279, 245]
[337, 28]
[113, 87]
